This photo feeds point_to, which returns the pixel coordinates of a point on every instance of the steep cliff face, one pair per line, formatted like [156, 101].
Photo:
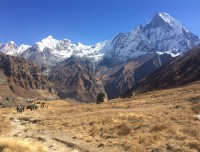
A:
[22, 77]
[75, 78]
[178, 71]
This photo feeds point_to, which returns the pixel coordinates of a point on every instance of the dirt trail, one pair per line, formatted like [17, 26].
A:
[22, 126]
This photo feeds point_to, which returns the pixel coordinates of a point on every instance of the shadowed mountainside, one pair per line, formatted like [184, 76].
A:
[121, 78]
[178, 71]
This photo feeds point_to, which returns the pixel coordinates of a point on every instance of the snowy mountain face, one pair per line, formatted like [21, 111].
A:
[163, 34]
[11, 48]
[51, 51]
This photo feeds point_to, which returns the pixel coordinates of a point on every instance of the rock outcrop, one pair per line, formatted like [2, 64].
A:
[21, 78]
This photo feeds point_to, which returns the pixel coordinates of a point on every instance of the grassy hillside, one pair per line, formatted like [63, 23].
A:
[166, 120]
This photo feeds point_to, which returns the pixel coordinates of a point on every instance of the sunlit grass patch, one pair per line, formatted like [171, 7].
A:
[19, 145]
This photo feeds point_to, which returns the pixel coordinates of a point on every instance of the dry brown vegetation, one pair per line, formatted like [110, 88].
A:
[19, 145]
[166, 120]
[4, 122]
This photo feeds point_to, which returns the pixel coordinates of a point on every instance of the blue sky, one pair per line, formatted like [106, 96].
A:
[87, 21]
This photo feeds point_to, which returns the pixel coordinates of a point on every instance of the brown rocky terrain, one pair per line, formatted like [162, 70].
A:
[119, 79]
[75, 78]
[82, 79]
[178, 71]
[21, 79]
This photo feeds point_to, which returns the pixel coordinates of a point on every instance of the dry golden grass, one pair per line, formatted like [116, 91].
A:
[147, 127]
[4, 122]
[19, 145]
[157, 121]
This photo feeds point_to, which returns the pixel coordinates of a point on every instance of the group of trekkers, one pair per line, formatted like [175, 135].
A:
[31, 106]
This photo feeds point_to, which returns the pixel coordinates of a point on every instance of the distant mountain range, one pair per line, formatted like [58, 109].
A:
[113, 66]
[163, 34]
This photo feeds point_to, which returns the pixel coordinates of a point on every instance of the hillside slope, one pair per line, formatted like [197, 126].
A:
[120, 79]
[178, 71]
[160, 121]
[22, 79]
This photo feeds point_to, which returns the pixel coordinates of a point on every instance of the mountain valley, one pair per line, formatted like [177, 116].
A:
[149, 78]
[113, 66]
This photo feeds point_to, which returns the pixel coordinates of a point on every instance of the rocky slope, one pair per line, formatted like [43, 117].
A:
[75, 78]
[178, 71]
[120, 79]
[21, 78]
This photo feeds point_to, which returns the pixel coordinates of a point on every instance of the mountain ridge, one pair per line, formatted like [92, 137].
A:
[114, 66]
[163, 34]
[177, 72]
[22, 79]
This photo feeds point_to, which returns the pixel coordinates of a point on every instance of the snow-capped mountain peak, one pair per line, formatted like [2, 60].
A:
[51, 51]
[163, 19]
[8, 47]
[50, 42]
[171, 21]
[162, 34]
[168, 19]
[11, 48]
[11, 43]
